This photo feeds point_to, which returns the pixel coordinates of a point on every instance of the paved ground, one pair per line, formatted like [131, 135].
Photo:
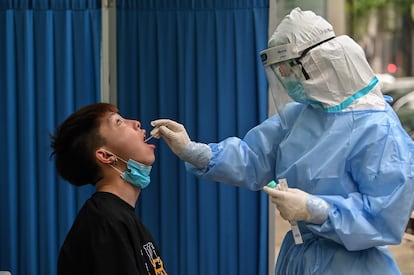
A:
[403, 253]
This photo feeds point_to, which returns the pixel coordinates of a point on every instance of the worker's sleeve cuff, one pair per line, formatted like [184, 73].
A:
[198, 154]
[318, 209]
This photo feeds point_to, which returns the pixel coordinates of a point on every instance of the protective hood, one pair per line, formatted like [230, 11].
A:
[340, 78]
[306, 61]
[299, 31]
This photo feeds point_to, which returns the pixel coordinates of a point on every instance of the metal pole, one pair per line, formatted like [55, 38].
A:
[108, 53]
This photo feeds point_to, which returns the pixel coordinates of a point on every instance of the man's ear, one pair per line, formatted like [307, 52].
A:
[104, 156]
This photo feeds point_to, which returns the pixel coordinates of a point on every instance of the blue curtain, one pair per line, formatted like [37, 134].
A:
[193, 61]
[197, 62]
[49, 66]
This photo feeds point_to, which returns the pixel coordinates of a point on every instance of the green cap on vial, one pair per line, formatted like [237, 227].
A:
[272, 184]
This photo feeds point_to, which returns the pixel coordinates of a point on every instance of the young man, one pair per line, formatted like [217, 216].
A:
[96, 145]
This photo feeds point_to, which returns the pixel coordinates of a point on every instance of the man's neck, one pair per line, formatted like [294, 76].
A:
[120, 188]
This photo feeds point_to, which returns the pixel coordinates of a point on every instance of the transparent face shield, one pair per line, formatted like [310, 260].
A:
[284, 75]
[290, 75]
[279, 97]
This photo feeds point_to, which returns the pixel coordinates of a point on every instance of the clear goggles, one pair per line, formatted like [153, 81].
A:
[283, 62]
[289, 70]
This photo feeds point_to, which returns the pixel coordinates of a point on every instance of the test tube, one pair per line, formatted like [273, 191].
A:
[297, 236]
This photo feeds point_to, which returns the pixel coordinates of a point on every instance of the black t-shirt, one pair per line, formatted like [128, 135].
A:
[107, 238]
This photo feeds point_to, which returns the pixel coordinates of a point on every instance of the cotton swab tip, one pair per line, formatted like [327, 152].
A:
[150, 137]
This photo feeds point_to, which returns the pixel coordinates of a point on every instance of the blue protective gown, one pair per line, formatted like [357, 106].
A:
[360, 162]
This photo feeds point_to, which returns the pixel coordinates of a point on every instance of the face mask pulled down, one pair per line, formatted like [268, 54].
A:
[137, 174]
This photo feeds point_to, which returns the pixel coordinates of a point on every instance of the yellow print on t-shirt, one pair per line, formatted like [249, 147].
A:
[156, 261]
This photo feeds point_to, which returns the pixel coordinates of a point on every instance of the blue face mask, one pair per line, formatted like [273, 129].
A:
[296, 91]
[137, 174]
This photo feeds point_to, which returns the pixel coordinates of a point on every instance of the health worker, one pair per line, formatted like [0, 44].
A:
[346, 158]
